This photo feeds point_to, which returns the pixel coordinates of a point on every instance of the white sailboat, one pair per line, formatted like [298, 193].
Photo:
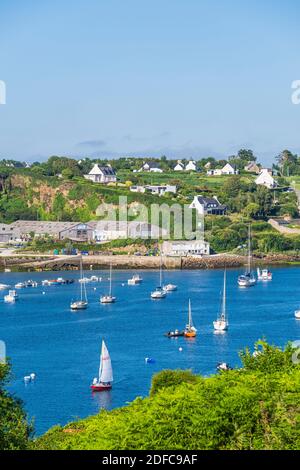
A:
[104, 380]
[159, 292]
[108, 299]
[82, 303]
[248, 279]
[221, 324]
[190, 330]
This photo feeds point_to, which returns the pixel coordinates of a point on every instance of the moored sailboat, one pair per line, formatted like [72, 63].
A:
[82, 303]
[159, 292]
[221, 324]
[104, 381]
[108, 299]
[190, 330]
[248, 279]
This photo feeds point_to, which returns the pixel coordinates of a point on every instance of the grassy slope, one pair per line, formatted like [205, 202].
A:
[253, 408]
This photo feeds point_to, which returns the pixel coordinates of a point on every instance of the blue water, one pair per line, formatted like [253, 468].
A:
[43, 336]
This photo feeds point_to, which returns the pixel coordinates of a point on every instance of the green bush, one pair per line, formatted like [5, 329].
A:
[253, 408]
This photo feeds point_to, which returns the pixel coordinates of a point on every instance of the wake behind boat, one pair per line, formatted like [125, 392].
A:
[105, 378]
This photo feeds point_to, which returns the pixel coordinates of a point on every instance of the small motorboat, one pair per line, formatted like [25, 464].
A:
[170, 288]
[11, 297]
[85, 280]
[223, 366]
[104, 381]
[174, 334]
[20, 285]
[264, 275]
[136, 279]
[4, 286]
[297, 314]
[31, 283]
[190, 331]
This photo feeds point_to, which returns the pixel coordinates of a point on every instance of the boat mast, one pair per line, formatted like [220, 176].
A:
[190, 315]
[160, 271]
[81, 280]
[223, 313]
[100, 365]
[110, 274]
[249, 248]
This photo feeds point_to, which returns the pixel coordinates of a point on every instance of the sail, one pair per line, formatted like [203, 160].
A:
[105, 371]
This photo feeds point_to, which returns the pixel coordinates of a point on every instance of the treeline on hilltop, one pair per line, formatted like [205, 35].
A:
[56, 190]
[256, 407]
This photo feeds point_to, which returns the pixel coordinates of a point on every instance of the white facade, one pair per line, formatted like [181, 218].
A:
[179, 167]
[226, 170]
[204, 206]
[152, 167]
[106, 230]
[186, 248]
[191, 166]
[101, 174]
[266, 179]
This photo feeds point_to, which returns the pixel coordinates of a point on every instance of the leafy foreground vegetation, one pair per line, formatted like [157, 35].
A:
[14, 429]
[256, 407]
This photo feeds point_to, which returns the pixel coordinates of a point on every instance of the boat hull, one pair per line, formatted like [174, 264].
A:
[220, 325]
[100, 387]
[107, 300]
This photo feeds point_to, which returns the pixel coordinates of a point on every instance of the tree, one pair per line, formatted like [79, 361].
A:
[246, 155]
[15, 431]
[252, 210]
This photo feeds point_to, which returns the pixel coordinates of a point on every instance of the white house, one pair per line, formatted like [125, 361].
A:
[229, 170]
[179, 166]
[226, 170]
[152, 167]
[208, 206]
[266, 179]
[191, 166]
[186, 248]
[102, 174]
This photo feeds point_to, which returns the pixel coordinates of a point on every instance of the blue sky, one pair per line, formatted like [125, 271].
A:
[185, 78]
